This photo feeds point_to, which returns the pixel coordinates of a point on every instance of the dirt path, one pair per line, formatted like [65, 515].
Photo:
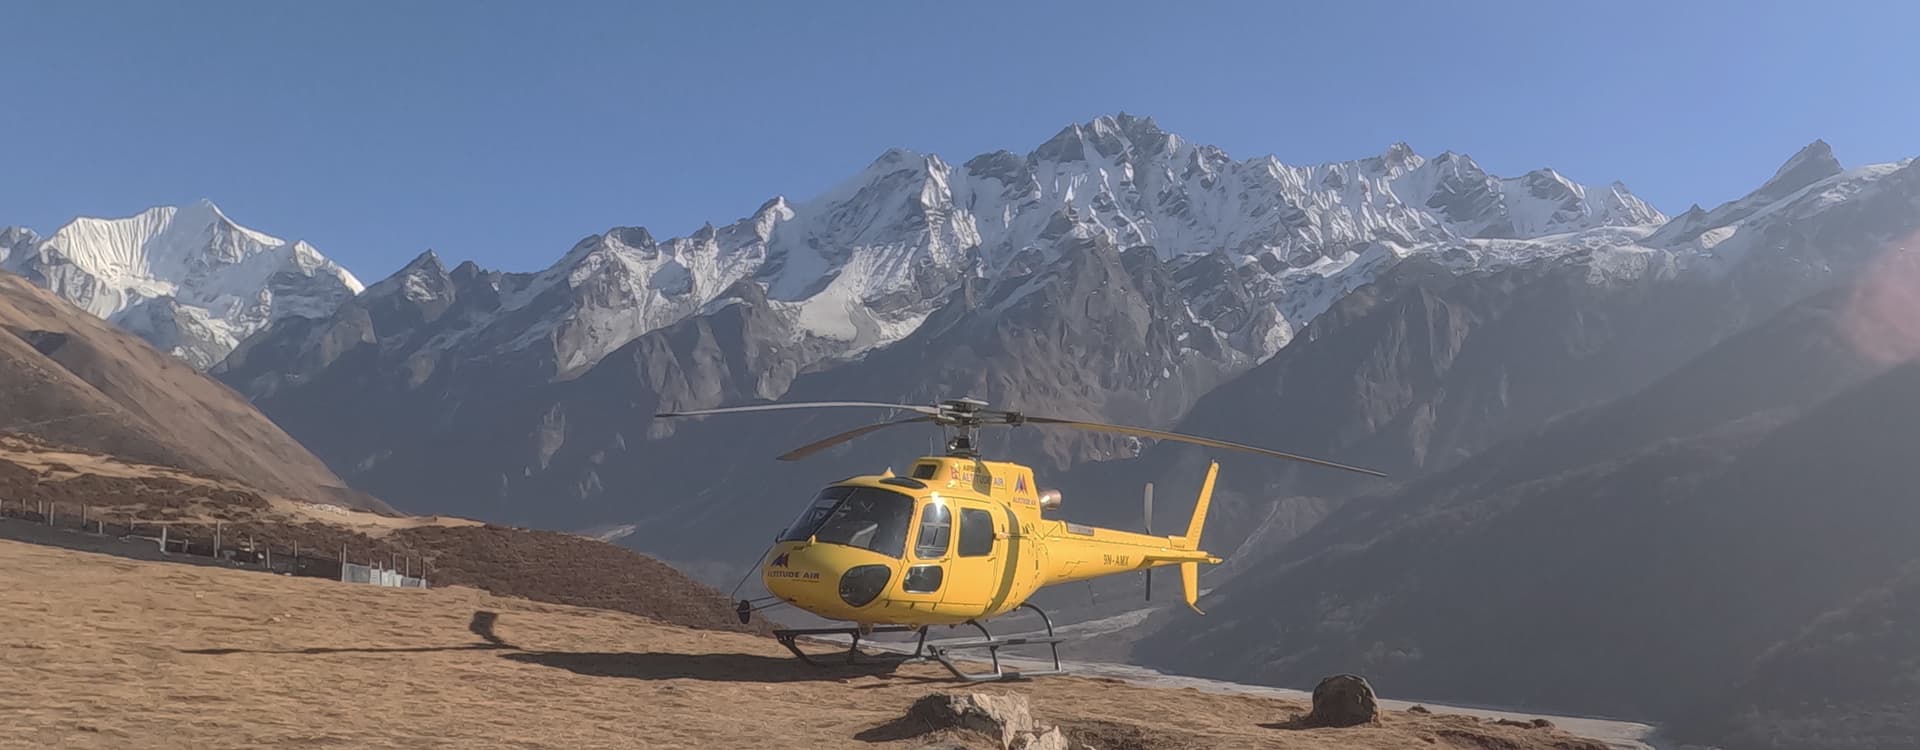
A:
[106, 652]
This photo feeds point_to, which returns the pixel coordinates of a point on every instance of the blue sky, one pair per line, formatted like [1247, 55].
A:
[504, 132]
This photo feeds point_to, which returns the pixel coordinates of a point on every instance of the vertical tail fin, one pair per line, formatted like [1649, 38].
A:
[1190, 571]
[1192, 538]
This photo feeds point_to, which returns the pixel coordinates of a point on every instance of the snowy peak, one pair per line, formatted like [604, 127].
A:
[1809, 165]
[188, 279]
[1543, 202]
[422, 279]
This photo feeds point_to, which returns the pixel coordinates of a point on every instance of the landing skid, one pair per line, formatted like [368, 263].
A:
[787, 638]
[943, 652]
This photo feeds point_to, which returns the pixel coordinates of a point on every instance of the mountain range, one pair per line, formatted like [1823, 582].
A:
[1555, 374]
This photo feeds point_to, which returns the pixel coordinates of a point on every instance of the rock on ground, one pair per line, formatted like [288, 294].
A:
[1343, 700]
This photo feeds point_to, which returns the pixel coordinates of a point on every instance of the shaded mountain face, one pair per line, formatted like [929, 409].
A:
[1846, 680]
[1705, 518]
[75, 380]
[1424, 368]
[188, 280]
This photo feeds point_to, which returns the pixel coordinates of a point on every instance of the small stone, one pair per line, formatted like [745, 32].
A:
[1418, 710]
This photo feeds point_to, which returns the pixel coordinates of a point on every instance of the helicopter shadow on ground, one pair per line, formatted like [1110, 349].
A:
[643, 665]
[646, 665]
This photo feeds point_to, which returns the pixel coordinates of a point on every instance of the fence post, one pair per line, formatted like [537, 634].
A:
[163, 539]
[216, 540]
[269, 558]
[83, 516]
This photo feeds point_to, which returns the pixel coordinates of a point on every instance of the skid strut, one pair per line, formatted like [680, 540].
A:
[787, 638]
[942, 651]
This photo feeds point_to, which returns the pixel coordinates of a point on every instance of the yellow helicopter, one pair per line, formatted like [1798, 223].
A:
[957, 539]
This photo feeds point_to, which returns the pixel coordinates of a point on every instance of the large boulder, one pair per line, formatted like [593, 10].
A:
[1006, 719]
[1003, 717]
[1343, 700]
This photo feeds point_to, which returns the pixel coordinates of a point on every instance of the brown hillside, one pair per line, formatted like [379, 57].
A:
[74, 379]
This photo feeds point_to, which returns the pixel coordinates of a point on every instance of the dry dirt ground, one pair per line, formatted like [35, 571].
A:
[107, 652]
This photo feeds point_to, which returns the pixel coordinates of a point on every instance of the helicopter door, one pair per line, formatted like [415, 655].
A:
[926, 575]
[974, 575]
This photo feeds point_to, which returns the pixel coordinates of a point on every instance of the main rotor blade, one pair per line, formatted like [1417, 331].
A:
[1196, 440]
[828, 442]
[927, 410]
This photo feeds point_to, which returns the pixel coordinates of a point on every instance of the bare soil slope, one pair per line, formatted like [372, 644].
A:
[74, 379]
[539, 565]
[108, 652]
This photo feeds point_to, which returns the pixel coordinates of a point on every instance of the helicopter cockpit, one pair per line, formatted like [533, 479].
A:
[865, 517]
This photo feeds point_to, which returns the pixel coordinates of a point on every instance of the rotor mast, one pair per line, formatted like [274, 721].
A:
[962, 415]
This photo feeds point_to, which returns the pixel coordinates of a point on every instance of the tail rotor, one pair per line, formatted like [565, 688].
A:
[1149, 524]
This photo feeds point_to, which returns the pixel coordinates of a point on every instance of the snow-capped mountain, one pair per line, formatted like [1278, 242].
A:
[189, 280]
[863, 264]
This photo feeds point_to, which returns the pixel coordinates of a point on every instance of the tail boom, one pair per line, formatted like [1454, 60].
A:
[1079, 553]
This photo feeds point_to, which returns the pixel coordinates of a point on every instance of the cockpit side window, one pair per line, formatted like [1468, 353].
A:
[936, 531]
[976, 533]
[864, 517]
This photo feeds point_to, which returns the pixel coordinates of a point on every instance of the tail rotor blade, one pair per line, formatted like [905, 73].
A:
[1149, 508]
[1149, 525]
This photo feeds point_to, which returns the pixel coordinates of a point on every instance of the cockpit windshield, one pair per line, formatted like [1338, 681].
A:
[864, 517]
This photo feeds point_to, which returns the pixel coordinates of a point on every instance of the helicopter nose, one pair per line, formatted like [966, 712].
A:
[791, 570]
[827, 579]
[792, 564]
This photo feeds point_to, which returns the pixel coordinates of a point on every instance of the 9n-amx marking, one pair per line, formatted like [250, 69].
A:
[957, 539]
